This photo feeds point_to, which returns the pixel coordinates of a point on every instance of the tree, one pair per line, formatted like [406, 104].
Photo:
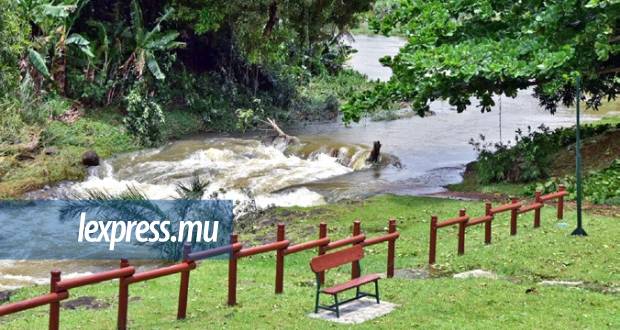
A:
[148, 42]
[463, 49]
[51, 34]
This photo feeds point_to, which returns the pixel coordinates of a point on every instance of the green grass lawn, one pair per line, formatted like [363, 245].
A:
[521, 262]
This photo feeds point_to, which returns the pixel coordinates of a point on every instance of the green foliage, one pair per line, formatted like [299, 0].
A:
[148, 42]
[527, 160]
[104, 137]
[37, 60]
[181, 124]
[13, 43]
[144, 116]
[81, 43]
[248, 118]
[599, 187]
[51, 37]
[13, 129]
[530, 157]
[244, 61]
[461, 49]
[370, 21]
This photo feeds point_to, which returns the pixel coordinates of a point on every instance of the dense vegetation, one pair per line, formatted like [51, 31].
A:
[200, 55]
[118, 75]
[542, 159]
[459, 50]
[600, 187]
[531, 156]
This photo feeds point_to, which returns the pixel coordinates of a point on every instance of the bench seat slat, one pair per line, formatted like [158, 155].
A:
[351, 284]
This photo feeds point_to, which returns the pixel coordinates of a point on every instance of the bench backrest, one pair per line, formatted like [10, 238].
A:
[335, 259]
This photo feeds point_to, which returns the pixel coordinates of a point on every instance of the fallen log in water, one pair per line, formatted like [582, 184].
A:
[281, 136]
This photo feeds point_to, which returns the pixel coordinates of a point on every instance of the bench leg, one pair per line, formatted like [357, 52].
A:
[316, 303]
[377, 291]
[337, 306]
[357, 292]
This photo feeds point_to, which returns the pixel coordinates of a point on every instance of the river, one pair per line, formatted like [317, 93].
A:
[421, 156]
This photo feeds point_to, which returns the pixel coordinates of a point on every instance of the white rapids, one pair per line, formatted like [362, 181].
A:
[235, 169]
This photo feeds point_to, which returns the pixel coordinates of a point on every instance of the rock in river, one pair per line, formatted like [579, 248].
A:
[90, 158]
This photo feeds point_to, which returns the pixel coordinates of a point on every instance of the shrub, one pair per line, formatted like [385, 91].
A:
[14, 32]
[144, 116]
[599, 187]
[527, 160]
[530, 157]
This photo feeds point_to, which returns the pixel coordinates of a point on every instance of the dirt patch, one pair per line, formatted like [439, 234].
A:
[412, 274]
[597, 152]
[598, 209]
[87, 302]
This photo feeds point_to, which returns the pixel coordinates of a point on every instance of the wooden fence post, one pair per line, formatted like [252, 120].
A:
[123, 299]
[462, 225]
[513, 218]
[391, 249]
[487, 225]
[54, 317]
[432, 240]
[355, 266]
[280, 259]
[322, 234]
[561, 203]
[537, 211]
[232, 274]
[184, 285]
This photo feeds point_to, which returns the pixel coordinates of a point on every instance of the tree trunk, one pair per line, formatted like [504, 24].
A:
[59, 66]
[273, 19]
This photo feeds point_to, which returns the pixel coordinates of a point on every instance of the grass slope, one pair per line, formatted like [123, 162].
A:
[439, 302]
[101, 130]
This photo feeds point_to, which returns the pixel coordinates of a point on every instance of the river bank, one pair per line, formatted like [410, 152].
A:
[60, 143]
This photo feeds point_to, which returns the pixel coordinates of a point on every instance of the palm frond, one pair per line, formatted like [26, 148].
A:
[194, 190]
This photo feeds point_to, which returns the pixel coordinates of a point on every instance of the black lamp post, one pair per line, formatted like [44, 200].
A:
[579, 230]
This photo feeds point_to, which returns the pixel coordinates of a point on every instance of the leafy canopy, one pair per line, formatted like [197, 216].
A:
[462, 49]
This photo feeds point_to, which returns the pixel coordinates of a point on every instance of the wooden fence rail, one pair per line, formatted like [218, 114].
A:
[514, 207]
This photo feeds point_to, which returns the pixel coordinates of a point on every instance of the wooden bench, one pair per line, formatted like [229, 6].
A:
[332, 260]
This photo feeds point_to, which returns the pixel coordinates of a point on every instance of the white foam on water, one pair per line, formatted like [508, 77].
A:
[235, 166]
[299, 197]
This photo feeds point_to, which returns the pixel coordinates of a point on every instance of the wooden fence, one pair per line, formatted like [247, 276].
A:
[59, 288]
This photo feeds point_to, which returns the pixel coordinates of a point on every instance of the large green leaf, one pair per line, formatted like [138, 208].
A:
[38, 62]
[57, 11]
[151, 63]
[163, 41]
[77, 39]
[82, 43]
[136, 16]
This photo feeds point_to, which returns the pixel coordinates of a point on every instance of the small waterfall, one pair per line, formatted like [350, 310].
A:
[235, 169]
